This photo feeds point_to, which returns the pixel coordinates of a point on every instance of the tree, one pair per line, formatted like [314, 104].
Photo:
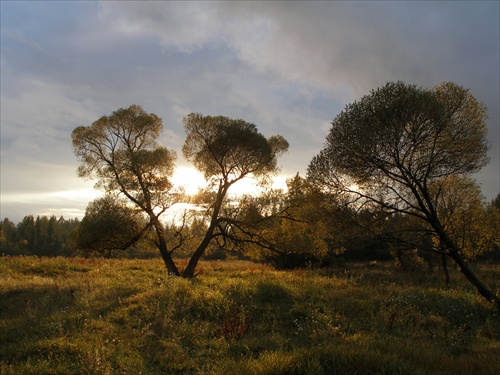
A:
[42, 236]
[26, 235]
[398, 148]
[121, 151]
[496, 202]
[298, 238]
[226, 151]
[492, 225]
[110, 226]
[462, 211]
[8, 238]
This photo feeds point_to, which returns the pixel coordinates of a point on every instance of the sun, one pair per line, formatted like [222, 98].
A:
[189, 179]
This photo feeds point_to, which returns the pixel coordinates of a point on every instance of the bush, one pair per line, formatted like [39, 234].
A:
[290, 261]
[409, 260]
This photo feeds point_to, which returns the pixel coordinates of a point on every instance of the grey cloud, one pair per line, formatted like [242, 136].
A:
[345, 48]
[351, 46]
[185, 26]
[288, 67]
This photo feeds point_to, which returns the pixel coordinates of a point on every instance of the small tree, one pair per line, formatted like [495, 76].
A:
[226, 151]
[492, 225]
[462, 210]
[121, 151]
[399, 147]
[8, 238]
[296, 235]
[110, 227]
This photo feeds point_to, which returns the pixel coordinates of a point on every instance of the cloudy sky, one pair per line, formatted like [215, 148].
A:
[288, 67]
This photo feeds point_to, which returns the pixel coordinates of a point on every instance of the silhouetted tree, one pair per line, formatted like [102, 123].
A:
[122, 152]
[399, 146]
[226, 151]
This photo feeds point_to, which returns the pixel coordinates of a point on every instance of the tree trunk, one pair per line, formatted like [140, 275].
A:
[162, 246]
[445, 269]
[481, 288]
[453, 252]
[167, 259]
[193, 262]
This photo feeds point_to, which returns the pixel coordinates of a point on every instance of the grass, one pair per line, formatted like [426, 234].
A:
[96, 316]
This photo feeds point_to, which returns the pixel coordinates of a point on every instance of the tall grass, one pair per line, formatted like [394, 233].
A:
[95, 316]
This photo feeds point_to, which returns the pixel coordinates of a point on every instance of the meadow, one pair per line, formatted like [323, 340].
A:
[99, 316]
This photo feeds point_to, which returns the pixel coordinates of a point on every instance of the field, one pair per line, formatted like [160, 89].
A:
[96, 316]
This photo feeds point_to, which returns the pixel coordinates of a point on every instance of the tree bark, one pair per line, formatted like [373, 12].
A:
[162, 246]
[445, 270]
[193, 262]
[481, 288]
[454, 253]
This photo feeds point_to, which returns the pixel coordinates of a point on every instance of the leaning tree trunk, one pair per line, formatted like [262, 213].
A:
[162, 246]
[481, 288]
[454, 253]
[193, 262]
[167, 259]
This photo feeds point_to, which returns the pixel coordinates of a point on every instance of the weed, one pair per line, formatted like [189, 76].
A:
[236, 323]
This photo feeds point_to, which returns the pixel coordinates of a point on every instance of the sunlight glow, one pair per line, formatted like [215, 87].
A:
[189, 179]
[250, 186]
[82, 195]
[71, 203]
[192, 181]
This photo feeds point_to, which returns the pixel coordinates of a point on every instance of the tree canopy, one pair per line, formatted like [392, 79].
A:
[399, 139]
[122, 153]
[228, 149]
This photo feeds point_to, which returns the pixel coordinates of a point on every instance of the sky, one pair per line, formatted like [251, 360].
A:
[287, 67]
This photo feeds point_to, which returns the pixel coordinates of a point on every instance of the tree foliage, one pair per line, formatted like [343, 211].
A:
[463, 213]
[227, 150]
[122, 153]
[395, 141]
[110, 227]
[297, 235]
[400, 147]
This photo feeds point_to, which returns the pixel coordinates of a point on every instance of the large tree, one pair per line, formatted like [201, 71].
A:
[398, 148]
[226, 151]
[121, 151]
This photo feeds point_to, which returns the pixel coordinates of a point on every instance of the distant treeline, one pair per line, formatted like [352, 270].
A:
[42, 236]
[305, 241]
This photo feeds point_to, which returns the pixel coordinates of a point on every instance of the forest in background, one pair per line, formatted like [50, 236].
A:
[301, 246]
